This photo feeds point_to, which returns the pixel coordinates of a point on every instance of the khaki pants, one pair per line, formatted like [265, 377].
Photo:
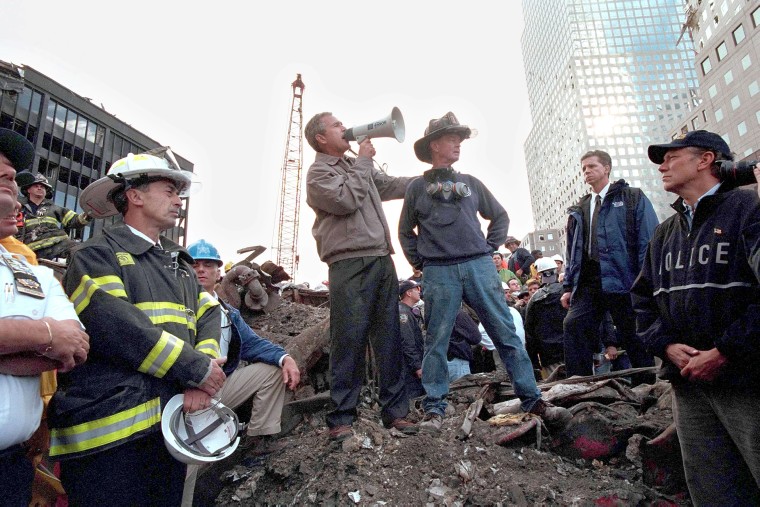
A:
[264, 383]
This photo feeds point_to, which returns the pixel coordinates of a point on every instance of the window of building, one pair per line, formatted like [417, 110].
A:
[721, 50]
[757, 116]
[746, 62]
[728, 77]
[695, 123]
[742, 128]
[719, 114]
[753, 88]
[738, 34]
[712, 91]
[706, 65]
[735, 102]
[550, 236]
[756, 17]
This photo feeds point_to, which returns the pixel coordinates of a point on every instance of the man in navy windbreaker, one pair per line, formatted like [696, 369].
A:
[607, 236]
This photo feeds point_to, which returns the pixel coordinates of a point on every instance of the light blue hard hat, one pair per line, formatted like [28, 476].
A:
[202, 250]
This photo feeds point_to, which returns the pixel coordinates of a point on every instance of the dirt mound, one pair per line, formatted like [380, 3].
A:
[383, 467]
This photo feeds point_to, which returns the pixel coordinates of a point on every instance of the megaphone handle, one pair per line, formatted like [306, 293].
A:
[359, 139]
[379, 167]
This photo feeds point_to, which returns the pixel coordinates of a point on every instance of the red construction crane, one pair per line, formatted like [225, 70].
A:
[290, 186]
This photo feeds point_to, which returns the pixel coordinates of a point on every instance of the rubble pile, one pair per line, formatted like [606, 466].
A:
[619, 448]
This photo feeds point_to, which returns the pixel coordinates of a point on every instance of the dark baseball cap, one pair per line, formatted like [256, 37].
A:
[16, 148]
[405, 285]
[695, 138]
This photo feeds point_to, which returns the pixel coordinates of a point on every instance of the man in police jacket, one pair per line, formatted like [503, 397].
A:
[697, 303]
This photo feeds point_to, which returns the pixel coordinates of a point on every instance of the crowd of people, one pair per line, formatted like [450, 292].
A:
[136, 323]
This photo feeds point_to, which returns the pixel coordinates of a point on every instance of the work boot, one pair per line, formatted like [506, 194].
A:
[431, 423]
[261, 445]
[340, 433]
[404, 426]
[551, 415]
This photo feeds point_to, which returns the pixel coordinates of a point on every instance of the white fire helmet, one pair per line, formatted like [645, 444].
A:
[97, 198]
[204, 436]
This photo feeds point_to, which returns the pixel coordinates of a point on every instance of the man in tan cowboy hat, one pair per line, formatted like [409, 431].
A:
[440, 233]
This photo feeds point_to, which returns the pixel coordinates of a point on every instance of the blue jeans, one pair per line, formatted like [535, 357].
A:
[478, 284]
[458, 368]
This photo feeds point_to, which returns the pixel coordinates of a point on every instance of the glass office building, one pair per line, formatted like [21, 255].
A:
[601, 75]
[75, 140]
[725, 36]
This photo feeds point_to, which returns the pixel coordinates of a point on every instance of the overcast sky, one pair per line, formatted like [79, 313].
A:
[212, 80]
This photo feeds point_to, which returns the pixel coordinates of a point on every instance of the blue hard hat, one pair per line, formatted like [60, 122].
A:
[202, 250]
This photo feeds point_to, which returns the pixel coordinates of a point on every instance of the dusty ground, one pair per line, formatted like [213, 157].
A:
[382, 467]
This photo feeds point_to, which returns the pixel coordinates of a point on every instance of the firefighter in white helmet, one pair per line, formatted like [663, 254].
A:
[154, 334]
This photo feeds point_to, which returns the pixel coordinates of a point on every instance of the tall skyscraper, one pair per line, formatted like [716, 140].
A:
[725, 37]
[601, 75]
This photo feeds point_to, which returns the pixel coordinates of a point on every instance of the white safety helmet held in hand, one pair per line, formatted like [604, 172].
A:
[97, 198]
[204, 436]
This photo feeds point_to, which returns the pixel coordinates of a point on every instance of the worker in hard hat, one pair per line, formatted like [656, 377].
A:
[268, 372]
[155, 334]
[46, 226]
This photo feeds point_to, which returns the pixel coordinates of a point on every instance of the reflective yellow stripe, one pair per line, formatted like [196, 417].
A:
[87, 286]
[162, 356]
[44, 243]
[34, 222]
[104, 431]
[209, 347]
[68, 217]
[205, 302]
[161, 312]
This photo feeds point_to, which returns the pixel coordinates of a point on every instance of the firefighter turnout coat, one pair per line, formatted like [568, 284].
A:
[152, 333]
[50, 224]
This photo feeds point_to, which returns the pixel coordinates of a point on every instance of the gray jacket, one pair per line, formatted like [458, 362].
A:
[346, 194]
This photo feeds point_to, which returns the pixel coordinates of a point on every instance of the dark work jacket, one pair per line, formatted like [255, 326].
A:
[464, 335]
[153, 331]
[436, 231]
[544, 335]
[414, 347]
[700, 287]
[521, 259]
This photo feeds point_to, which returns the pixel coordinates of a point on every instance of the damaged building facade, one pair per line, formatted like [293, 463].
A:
[75, 140]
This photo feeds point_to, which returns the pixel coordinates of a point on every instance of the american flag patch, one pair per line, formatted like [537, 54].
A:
[717, 231]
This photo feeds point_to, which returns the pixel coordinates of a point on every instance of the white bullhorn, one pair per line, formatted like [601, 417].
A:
[390, 126]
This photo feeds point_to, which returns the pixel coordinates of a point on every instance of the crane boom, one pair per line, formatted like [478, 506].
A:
[290, 186]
